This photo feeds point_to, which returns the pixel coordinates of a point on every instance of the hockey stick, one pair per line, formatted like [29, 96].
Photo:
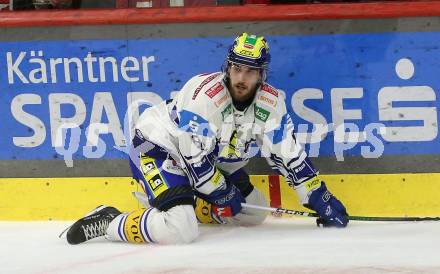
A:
[353, 218]
[142, 198]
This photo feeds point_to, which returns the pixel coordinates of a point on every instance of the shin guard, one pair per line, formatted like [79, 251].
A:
[178, 225]
[130, 227]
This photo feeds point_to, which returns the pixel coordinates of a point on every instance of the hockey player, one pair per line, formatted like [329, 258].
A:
[197, 144]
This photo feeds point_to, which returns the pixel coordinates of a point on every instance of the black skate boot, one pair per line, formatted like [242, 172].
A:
[93, 225]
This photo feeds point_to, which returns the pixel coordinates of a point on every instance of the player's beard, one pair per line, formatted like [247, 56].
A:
[240, 92]
[242, 95]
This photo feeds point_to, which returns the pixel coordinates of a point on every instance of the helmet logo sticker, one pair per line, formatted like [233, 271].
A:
[250, 42]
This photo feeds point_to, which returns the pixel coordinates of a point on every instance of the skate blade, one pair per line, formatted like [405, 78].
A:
[64, 232]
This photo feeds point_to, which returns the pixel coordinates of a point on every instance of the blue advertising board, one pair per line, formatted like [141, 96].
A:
[348, 94]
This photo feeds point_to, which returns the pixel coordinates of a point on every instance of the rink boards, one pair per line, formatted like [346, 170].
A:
[372, 71]
[396, 195]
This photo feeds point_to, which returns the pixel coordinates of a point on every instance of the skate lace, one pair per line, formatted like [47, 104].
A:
[95, 229]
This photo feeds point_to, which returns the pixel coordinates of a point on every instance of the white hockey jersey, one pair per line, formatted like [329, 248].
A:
[209, 138]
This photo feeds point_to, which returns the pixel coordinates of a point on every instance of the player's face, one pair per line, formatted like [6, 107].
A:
[243, 81]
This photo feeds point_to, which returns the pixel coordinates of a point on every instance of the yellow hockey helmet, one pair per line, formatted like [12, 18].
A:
[250, 50]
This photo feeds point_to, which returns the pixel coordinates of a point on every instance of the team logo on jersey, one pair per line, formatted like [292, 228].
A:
[227, 111]
[195, 124]
[261, 113]
[214, 90]
[269, 89]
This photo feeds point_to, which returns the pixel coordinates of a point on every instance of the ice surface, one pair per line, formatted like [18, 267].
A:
[289, 245]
